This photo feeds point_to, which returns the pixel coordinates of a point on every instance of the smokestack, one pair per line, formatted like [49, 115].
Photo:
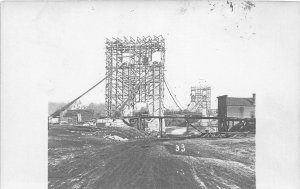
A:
[254, 98]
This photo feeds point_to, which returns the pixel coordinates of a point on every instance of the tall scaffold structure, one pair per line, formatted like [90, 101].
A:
[135, 74]
[200, 98]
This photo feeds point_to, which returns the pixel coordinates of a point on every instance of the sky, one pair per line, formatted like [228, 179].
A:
[208, 40]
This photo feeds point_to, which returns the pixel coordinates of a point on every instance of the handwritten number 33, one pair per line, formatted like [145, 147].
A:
[180, 148]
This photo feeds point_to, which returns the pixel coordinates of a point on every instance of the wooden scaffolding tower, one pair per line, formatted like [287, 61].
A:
[135, 73]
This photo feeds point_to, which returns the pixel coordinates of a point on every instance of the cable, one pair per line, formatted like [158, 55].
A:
[73, 101]
[57, 112]
[172, 96]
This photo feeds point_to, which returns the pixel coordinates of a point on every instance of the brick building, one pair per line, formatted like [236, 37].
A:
[236, 107]
[233, 108]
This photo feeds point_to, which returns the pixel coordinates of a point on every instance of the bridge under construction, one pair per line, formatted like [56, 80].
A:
[135, 79]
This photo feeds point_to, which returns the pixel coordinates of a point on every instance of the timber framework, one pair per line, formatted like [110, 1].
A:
[134, 74]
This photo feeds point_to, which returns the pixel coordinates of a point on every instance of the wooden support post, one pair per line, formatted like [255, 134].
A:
[139, 123]
[228, 125]
[160, 126]
[142, 124]
[187, 126]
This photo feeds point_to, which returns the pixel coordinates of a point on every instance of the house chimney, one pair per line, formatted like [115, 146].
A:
[254, 98]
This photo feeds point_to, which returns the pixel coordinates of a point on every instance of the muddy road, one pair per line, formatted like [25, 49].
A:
[89, 159]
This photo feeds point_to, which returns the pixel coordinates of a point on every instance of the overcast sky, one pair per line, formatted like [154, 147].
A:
[234, 51]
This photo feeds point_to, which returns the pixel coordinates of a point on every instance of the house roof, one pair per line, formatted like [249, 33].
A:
[233, 101]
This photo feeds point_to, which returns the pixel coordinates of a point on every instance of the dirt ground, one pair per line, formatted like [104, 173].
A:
[81, 157]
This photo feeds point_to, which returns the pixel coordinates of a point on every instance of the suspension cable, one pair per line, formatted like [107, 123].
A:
[172, 95]
[175, 97]
[57, 112]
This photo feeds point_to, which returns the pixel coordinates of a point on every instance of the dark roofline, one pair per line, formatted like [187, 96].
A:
[234, 97]
[242, 105]
[241, 97]
[222, 96]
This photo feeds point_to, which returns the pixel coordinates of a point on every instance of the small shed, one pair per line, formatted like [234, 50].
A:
[235, 108]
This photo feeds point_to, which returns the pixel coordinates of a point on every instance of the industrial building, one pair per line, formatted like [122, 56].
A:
[234, 109]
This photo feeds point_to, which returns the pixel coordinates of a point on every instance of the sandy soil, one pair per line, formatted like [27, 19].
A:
[87, 158]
